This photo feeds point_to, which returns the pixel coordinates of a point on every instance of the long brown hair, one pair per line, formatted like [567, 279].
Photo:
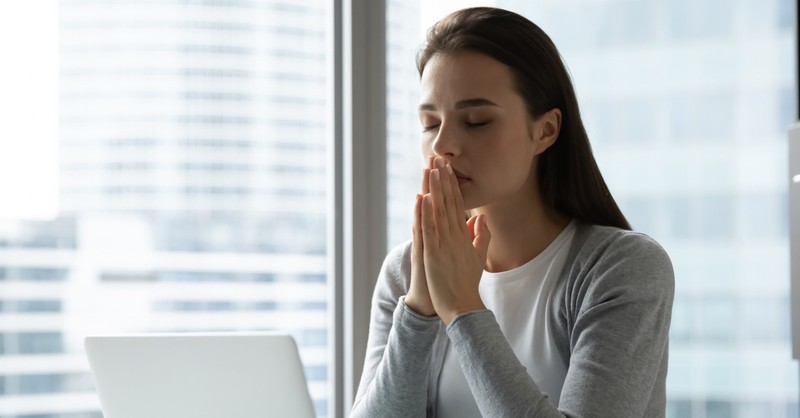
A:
[569, 179]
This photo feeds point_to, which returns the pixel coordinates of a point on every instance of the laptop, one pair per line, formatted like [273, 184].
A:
[199, 375]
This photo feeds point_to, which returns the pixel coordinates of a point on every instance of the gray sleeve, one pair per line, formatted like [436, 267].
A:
[394, 381]
[618, 341]
[499, 382]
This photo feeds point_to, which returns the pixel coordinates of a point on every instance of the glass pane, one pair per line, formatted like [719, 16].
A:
[687, 105]
[191, 164]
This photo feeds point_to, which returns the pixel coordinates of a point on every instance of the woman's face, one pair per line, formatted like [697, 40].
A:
[472, 116]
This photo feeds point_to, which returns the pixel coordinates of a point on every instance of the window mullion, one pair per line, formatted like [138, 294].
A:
[359, 227]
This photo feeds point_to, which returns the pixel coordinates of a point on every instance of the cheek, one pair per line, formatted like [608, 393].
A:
[514, 161]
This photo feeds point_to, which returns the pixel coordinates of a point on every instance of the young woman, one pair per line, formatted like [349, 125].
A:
[543, 303]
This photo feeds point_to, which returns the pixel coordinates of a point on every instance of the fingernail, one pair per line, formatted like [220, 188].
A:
[440, 162]
[449, 169]
[435, 172]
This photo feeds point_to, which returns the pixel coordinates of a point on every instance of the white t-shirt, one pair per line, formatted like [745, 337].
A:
[520, 300]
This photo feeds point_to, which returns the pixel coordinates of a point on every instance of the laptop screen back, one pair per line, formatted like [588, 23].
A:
[199, 375]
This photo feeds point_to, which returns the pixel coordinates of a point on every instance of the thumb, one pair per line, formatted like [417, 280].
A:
[482, 236]
[473, 231]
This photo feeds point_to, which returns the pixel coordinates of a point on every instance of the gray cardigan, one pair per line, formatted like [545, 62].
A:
[613, 305]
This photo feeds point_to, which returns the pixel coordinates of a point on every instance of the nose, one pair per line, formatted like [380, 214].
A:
[446, 144]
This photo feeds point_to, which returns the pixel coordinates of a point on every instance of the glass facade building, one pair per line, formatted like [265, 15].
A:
[193, 152]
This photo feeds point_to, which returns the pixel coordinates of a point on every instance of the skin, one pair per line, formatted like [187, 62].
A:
[482, 148]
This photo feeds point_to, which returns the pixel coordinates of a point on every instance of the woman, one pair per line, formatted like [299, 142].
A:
[543, 303]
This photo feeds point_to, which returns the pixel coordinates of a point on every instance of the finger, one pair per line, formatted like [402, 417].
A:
[458, 201]
[429, 230]
[426, 178]
[482, 237]
[454, 220]
[416, 249]
[439, 208]
[426, 175]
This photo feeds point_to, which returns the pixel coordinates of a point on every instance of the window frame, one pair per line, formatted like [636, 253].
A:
[357, 221]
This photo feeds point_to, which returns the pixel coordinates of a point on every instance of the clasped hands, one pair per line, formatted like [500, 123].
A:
[448, 255]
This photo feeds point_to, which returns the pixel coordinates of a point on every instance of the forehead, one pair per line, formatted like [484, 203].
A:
[451, 77]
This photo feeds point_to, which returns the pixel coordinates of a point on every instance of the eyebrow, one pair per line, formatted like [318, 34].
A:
[462, 104]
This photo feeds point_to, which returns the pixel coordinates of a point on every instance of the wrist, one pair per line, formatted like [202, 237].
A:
[417, 307]
[451, 314]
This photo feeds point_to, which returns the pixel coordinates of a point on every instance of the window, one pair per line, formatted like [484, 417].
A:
[190, 164]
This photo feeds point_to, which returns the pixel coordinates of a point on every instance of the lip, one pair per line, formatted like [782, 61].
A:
[462, 179]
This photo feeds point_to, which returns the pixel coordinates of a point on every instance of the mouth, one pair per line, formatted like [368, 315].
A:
[461, 177]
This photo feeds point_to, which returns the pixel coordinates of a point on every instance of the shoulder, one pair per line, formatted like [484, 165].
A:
[398, 258]
[606, 259]
[395, 274]
[605, 244]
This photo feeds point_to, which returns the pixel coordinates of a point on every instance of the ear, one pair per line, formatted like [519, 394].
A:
[545, 129]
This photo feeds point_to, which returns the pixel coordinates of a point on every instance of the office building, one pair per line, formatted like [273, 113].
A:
[193, 192]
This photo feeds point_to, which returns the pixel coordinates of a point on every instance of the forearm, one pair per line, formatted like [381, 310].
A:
[399, 384]
[500, 384]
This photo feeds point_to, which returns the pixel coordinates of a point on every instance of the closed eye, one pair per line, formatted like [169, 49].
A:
[477, 124]
[429, 128]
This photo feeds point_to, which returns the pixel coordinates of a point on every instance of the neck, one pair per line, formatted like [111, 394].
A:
[521, 229]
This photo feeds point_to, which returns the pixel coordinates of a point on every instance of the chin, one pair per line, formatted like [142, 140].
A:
[470, 203]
